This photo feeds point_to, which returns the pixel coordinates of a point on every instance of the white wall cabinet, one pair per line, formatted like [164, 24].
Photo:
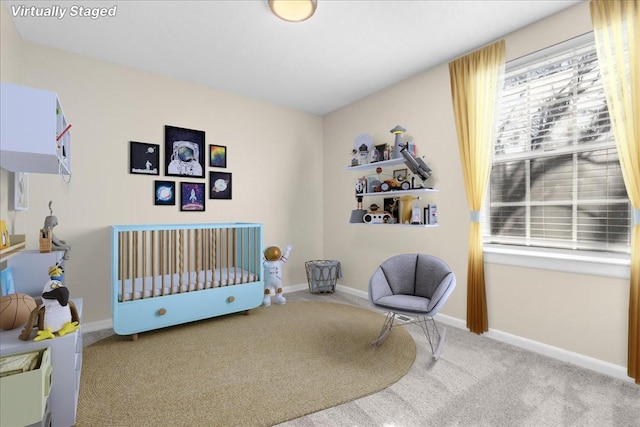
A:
[32, 131]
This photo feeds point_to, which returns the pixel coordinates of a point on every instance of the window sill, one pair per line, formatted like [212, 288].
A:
[582, 262]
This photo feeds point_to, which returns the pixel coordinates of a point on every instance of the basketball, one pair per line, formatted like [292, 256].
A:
[15, 310]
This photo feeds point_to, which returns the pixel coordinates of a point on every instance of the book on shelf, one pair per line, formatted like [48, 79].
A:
[19, 363]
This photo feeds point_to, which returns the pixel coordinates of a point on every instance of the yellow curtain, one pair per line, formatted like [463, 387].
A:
[613, 22]
[475, 82]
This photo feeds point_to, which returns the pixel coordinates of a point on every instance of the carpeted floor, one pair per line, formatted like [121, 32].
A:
[478, 382]
[270, 366]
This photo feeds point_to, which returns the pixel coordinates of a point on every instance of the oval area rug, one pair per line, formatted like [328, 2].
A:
[273, 365]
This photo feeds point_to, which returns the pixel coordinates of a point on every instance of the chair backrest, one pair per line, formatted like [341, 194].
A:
[416, 274]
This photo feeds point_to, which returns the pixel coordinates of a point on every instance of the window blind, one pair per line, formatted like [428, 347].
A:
[556, 180]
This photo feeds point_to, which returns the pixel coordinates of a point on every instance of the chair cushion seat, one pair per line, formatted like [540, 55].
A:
[401, 302]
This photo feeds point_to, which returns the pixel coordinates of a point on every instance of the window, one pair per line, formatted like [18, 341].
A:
[556, 181]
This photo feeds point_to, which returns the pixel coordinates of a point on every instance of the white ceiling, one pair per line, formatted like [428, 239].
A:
[346, 51]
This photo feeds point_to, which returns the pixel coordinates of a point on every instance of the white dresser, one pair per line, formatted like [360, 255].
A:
[66, 367]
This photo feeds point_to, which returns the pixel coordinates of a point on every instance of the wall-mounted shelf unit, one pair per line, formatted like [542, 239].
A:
[374, 165]
[400, 192]
[397, 225]
[18, 243]
[384, 215]
[34, 136]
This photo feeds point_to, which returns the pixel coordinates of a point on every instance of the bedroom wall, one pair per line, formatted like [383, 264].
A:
[579, 313]
[274, 154]
[294, 162]
[9, 70]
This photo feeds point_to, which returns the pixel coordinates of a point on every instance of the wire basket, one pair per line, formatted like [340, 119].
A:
[322, 275]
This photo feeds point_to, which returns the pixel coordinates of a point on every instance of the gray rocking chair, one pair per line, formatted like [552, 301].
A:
[412, 288]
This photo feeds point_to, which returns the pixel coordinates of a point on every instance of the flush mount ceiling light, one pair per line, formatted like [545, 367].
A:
[293, 10]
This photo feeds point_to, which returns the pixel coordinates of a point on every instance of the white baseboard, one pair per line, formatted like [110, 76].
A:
[98, 325]
[557, 353]
[295, 288]
[577, 359]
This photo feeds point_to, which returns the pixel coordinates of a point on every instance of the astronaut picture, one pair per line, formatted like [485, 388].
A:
[184, 159]
[144, 158]
[184, 152]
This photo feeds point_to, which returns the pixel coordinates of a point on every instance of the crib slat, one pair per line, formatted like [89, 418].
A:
[241, 255]
[256, 253]
[134, 264]
[161, 263]
[153, 263]
[227, 251]
[144, 263]
[173, 259]
[180, 260]
[216, 233]
[121, 250]
[234, 255]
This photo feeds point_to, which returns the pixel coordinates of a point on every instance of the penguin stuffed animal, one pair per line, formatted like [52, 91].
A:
[56, 315]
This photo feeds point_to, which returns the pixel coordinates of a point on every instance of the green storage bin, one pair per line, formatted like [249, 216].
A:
[23, 396]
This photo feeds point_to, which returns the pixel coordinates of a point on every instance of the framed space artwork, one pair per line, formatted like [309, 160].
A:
[21, 191]
[184, 152]
[217, 156]
[144, 158]
[192, 196]
[220, 185]
[164, 193]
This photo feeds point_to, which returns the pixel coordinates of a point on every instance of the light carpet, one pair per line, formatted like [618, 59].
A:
[273, 365]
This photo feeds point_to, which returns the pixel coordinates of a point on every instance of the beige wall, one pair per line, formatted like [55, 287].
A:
[274, 153]
[579, 313]
[304, 160]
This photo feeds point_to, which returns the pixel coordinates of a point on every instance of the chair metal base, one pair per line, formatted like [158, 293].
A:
[423, 322]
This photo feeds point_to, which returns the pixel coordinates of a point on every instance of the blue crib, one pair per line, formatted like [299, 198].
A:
[169, 274]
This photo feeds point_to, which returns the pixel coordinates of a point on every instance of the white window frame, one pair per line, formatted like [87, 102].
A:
[605, 264]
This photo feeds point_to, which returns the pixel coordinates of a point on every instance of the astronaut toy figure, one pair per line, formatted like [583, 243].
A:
[273, 261]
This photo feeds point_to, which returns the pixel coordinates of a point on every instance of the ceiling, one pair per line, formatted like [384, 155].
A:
[349, 49]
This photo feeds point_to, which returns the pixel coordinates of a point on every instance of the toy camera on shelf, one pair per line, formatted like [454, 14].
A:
[375, 216]
[381, 217]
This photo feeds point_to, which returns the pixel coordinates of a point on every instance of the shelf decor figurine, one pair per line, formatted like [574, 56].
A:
[358, 214]
[57, 316]
[361, 152]
[47, 231]
[6, 241]
[417, 165]
[397, 145]
[273, 261]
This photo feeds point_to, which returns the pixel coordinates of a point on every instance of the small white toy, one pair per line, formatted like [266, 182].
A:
[273, 261]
